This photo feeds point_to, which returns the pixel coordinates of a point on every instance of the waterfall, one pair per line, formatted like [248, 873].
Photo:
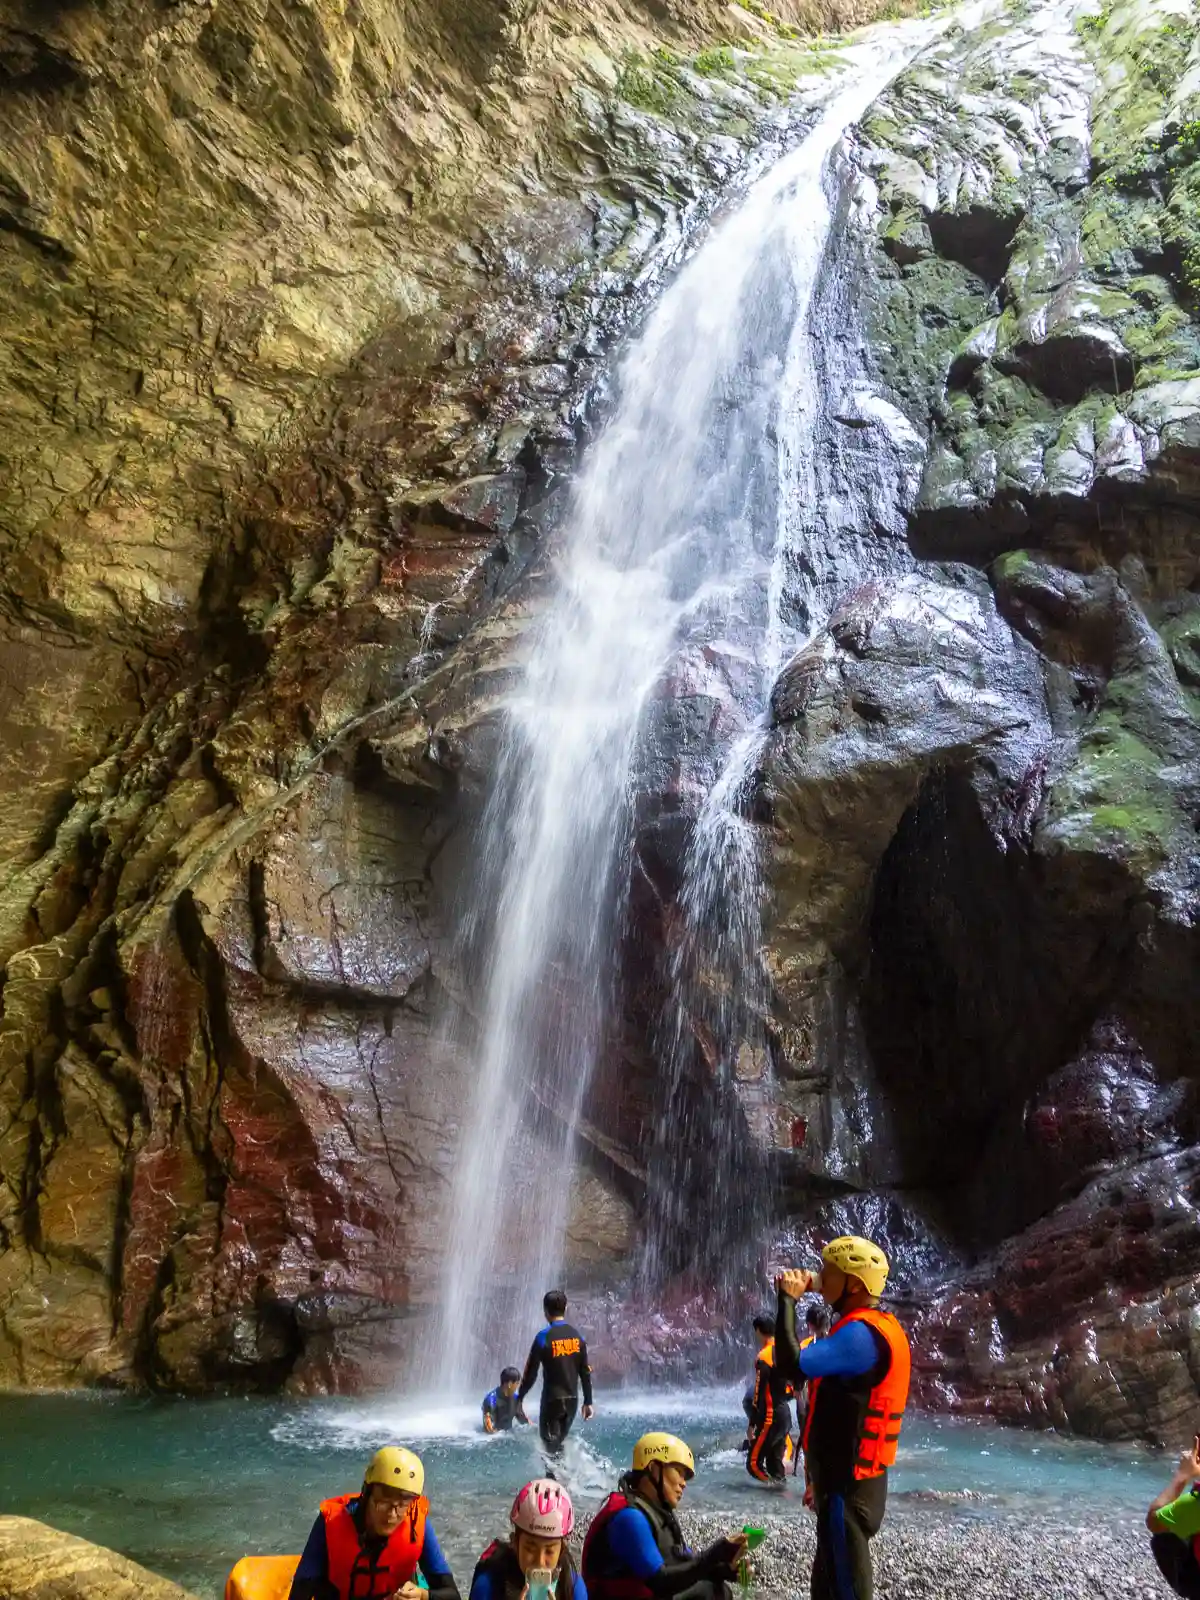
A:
[683, 526]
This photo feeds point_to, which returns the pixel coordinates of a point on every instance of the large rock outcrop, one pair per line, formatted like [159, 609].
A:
[305, 307]
[982, 782]
[40, 1563]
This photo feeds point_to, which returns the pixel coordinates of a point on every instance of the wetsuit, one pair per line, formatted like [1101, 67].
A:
[560, 1355]
[497, 1576]
[312, 1581]
[1174, 1548]
[851, 1362]
[635, 1550]
[499, 1411]
[770, 1420]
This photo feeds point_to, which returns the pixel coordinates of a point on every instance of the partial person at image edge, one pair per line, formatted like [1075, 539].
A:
[858, 1392]
[1174, 1523]
[559, 1353]
[501, 1408]
[635, 1549]
[542, 1519]
[370, 1545]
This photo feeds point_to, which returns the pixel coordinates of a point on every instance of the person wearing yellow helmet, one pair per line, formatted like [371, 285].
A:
[370, 1545]
[635, 1549]
[858, 1381]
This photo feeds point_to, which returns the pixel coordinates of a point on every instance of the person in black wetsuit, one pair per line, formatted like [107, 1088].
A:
[501, 1406]
[560, 1355]
[769, 1433]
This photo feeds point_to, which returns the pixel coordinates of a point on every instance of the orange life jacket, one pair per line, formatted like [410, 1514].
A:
[355, 1574]
[875, 1447]
[767, 1356]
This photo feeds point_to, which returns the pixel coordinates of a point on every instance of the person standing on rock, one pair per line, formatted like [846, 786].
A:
[370, 1545]
[858, 1389]
[1174, 1523]
[560, 1355]
[770, 1431]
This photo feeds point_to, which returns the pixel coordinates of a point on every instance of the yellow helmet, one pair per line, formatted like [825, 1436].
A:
[858, 1258]
[664, 1447]
[397, 1468]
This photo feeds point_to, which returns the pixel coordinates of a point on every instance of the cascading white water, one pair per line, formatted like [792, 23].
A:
[678, 527]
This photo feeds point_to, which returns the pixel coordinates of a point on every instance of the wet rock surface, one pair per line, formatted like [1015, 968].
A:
[312, 313]
[980, 789]
[309, 310]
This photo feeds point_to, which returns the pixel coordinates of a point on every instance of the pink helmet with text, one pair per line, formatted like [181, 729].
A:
[543, 1508]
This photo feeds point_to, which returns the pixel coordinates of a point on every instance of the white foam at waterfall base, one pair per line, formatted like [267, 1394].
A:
[675, 521]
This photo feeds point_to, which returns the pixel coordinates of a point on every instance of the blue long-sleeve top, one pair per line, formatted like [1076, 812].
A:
[632, 1545]
[850, 1351]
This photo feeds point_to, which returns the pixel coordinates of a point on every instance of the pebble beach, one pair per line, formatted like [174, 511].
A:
[933, 1553]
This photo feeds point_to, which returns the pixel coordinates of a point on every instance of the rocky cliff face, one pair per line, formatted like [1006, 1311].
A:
[983, 780]
[306, 308]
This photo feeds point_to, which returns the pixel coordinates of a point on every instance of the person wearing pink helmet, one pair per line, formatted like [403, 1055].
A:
[542, 1518]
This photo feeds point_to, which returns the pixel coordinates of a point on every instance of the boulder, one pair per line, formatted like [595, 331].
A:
[40, 1563]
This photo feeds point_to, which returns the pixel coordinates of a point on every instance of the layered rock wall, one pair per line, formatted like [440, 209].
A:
[983, 778]
[304, 307]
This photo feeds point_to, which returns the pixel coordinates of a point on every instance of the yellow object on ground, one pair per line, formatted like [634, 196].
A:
[261, 1578]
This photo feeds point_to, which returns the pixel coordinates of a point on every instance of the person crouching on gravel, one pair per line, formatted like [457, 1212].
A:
[635, 1549]
[1174, 1523]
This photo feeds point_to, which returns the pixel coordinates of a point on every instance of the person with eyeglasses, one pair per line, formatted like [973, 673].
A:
[371, 1545]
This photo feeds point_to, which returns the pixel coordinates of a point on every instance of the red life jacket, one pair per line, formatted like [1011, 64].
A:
[879, 1431]
[355, 1574]
[602, 1586]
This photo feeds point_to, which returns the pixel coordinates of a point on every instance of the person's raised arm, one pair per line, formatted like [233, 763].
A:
[787, 1344]
[1186, 1473]
[849, 1352]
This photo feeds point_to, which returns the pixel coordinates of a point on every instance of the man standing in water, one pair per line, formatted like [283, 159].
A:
[560, 1355]
[1174, 1523]
[770, 1413]
[858, 1389]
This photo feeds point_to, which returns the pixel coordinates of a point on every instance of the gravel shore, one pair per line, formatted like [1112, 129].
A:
[936, 1553]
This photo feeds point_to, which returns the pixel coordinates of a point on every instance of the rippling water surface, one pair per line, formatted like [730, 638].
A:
[186, 1487]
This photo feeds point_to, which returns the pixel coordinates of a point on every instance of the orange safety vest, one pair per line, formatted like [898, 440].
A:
[356, 1575]
[767, 1356]
[875, 1447]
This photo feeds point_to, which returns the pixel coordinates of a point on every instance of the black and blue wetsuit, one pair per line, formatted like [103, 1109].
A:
[850, 1362]
[499, 1411]
[559, 1353]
